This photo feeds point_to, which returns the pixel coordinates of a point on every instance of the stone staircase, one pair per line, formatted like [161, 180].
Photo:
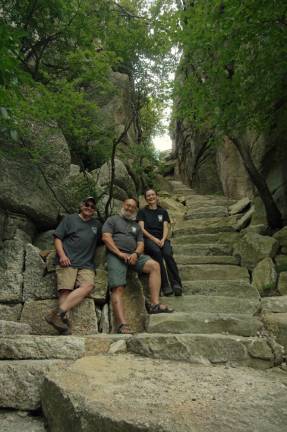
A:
[204, 368]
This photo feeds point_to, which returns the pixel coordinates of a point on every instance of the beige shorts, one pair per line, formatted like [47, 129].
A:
[69, 278]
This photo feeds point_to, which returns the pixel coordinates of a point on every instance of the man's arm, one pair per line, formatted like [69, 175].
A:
[63, 259]
[138, 251]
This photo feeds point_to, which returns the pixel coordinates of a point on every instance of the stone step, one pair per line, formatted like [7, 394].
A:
[221, 259]
[206, 213]
[213, 272]
[204, 348]
[206, 226]
[21, 421]
[229, 288]
[274, 304]
[213, 304]
[129, 393]
[200, 322]
[202, 249]
[14, 328]
[227, 238]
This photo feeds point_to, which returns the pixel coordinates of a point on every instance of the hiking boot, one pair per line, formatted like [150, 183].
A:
[177, 289]
[57, 321]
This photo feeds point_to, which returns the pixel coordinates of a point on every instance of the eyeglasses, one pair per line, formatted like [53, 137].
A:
[90, 206]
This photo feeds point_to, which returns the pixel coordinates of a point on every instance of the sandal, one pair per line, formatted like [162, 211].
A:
[124, 329]
[159, 308]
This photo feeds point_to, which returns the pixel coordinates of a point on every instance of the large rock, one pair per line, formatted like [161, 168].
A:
[18, 226]
[276, 323]
[8, 328]
[21, 382]
[239, 206]
[252, 248]
[126, 393]
[83, 318]
[41, 347]
[36, 284]
[122, 178]
[25, 186]
[281, 263]
[15, 421]
[264, 277]
[275, 304]
[281, 237]
[10, 312]
[134, 304]
[45, 240]
[11, 267]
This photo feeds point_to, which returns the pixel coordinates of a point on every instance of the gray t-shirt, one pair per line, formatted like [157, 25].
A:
[79, 239]
[126, 233]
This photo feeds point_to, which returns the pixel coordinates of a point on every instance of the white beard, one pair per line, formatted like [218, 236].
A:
[124, 214]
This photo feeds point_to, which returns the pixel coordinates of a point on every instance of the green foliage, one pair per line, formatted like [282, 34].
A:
[235, 60]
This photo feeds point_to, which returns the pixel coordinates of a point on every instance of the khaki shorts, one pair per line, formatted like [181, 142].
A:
[69, 278]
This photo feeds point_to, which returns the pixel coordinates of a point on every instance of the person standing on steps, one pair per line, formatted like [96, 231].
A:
[76, 238]
[124, 242]
[154, 221]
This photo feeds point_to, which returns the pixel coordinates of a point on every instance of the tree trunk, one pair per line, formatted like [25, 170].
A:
[273, 214]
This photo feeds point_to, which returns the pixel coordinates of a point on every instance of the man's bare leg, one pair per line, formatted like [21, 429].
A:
[76, 297]
[117, 303]
[152, 268]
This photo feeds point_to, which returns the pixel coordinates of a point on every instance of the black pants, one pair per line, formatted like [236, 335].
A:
[160, 255]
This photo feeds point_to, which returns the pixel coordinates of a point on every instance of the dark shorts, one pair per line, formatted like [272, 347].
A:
[117, 269]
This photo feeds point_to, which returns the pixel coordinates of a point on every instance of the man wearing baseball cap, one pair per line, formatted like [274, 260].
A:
[75, 239]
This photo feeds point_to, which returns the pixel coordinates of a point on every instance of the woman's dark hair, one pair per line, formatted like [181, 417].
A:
[149, 189]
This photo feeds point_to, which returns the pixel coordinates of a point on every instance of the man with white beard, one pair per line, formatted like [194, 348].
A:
[123, 238]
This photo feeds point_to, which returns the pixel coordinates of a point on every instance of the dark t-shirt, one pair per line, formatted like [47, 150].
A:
[79, 239]
[125, 233]
[153, 220]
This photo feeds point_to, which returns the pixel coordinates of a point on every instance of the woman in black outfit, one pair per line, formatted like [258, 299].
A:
[154, 221]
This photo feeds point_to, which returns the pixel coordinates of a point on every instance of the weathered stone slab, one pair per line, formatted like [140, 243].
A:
[200, 322]
[245, 219]
[213, 304]
[126, 393]
[209, 259]
[21, 381]
[41, 347]
[205, 213]
[10, 312]
[45, 240]
[213, 272]
[264, 277]
[36, 285]
[228, 238]
[202, 249]
[102, 343]
[274, 304]
[134, 305]
[239, 206]
[202, 349]
[12, 256]
[10, 286]
[13, 328]
[282, 283]
[230, 288]
[252, 248]
[83, 318]
[16, 421]
[276, 323]
[209, 226]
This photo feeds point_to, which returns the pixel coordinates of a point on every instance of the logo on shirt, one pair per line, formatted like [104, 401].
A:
[134, 229]
[94, 229]
[160, 217]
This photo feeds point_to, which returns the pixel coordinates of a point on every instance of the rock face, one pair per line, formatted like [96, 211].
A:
[253, 247]
[20, 421]
[137, 389]
[265, 277]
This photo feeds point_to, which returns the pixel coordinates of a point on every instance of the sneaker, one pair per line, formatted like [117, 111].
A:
[167, 291]
[177, 289]
[54, 318]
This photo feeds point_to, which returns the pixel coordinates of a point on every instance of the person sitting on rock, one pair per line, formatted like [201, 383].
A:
[124, 242]
[75, 239]
[154, 221]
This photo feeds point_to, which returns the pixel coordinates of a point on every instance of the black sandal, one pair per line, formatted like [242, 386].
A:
[157, 309]
[124, 329]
